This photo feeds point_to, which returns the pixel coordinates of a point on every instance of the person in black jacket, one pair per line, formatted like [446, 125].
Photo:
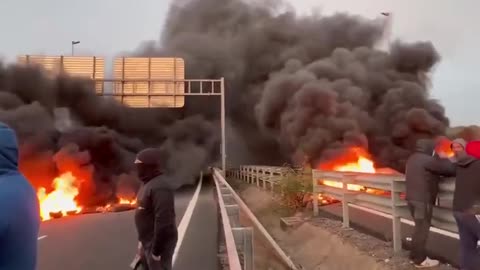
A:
[422, 176]
[155, 214]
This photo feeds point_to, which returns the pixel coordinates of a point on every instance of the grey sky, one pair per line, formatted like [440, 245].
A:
[107, 27]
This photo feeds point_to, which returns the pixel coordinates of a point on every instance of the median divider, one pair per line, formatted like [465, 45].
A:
[238, 239]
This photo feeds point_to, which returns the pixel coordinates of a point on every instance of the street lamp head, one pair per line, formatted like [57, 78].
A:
[75, 42]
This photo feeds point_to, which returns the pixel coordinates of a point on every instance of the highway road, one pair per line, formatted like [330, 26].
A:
[108, 240]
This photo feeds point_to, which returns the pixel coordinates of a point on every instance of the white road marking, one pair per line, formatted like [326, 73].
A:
[41, 237]
[182, 228]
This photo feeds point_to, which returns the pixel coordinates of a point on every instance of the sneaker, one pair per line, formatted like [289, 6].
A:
[427, 263]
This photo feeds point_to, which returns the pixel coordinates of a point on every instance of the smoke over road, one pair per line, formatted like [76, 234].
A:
[63, 126]
[307, 86]
[298, 87]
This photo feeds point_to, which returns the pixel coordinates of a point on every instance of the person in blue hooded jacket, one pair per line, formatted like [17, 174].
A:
[19, 209]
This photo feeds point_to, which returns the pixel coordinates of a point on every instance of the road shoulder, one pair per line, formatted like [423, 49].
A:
[322, 243]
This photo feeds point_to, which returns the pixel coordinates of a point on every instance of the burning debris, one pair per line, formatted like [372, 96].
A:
[61, 201]
[356, 160]
[96, 141]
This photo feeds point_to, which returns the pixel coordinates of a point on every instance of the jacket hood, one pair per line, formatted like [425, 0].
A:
[8, 149]
[426, 146]
[149, 164]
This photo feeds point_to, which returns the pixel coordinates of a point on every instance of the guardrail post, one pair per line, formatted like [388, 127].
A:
[248, 249]
[264, 177]
[244, 241]
[396, 219]
[257, 175]
[271, 180]
[233, 212]
[314, 194]
[228, 198]
[345, 212]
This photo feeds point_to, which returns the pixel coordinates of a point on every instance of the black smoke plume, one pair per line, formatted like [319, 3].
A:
[306, 86]
[297, 86]
[63, 126]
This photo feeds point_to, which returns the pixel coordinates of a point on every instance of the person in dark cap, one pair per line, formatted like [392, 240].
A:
[155, 214]
[19, 209]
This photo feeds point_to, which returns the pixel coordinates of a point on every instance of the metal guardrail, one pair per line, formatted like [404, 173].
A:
[233, 204]
[264, 175]
[387, 201]
[237, 238]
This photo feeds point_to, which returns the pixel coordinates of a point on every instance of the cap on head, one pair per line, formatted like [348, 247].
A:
[459, 141]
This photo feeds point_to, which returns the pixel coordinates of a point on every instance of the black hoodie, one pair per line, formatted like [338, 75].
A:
[155, 215]
[421, 179]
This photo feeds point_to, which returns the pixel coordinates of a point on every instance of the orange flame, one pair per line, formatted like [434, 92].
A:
[443, 147]
[355, 159]
[61, 199]
[127, 201]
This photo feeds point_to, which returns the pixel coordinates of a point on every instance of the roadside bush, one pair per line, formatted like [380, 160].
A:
[296, 189]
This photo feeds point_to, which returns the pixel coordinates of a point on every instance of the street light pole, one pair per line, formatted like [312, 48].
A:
[222, 126]
[73, 46]
[388, 27]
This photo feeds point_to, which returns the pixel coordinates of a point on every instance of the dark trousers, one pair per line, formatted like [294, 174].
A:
[469, 231]
[422, 216]
[166, 260]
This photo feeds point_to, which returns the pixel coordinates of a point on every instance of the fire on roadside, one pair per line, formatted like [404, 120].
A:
[355, 159]
[61, 201]
[127, 201]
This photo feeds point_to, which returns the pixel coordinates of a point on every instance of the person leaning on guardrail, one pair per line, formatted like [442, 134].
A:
[422, 190]
[155, 214]
[466, 204]
[19, 209]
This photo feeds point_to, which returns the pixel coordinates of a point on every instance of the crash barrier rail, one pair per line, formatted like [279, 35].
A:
[230, 206]
[262, 175]
[381, 194]
[237, 239]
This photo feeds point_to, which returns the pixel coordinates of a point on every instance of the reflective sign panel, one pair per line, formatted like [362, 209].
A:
[88, 67]
[150, 82]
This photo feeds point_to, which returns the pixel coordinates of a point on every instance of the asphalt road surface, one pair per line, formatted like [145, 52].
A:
[108, 241]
